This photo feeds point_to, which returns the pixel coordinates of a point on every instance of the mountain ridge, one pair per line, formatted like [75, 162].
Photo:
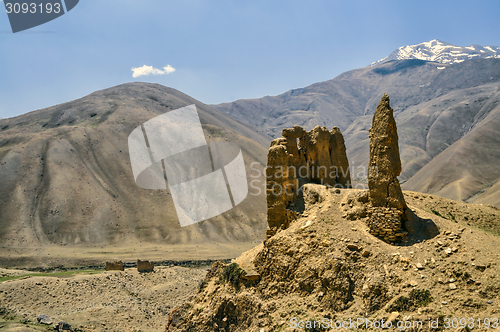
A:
[441, 52]
[435, 105]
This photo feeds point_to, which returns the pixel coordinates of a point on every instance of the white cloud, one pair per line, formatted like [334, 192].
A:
[149, 70]
[169, 69]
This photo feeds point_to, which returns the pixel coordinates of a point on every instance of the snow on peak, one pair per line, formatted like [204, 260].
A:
[441, 52]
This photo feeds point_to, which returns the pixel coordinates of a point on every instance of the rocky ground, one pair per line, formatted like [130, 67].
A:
[323, 266]
[483, 216]
[107, 301]
[327, 267]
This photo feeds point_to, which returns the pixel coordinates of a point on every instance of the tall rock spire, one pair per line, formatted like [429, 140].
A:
[385, 163]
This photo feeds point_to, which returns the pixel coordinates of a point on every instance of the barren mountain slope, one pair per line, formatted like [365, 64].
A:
[66, 180]
[354, 93]
[450, 141]
[435, 106]
[468, 168]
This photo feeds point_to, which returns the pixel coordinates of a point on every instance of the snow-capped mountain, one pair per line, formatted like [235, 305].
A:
[438, 51]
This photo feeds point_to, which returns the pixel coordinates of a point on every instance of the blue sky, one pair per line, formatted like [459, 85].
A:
[221, 50]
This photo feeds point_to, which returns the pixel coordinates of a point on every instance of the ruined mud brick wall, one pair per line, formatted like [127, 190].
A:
[299, 157]
[387, 216]
[115, 266]
[385, 163]
[145, 266]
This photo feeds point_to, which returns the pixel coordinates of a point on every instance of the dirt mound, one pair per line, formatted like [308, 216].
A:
[329, 269]
[482, 216]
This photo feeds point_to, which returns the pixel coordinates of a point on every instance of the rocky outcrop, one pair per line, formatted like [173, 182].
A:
[114, 266]
[299, 157]
[385, 163]
[145, 266]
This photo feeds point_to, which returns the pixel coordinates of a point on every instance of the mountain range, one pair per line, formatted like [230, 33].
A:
[66, 180]
[447, 111]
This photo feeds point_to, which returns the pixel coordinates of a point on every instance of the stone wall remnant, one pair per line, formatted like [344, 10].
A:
[114, 266]
[386, 224]
[145, 266]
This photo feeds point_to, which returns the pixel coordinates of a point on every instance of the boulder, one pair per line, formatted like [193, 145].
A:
[353, 247]
[62, 326]
[44, 319]
[366, 253]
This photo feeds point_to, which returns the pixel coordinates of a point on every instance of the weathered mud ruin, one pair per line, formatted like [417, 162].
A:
[299, 157]
[388, 207]
[319, 156]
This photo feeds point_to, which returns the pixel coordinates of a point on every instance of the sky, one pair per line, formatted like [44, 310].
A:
[219, 51]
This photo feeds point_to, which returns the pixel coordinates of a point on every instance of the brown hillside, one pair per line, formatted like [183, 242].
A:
[66, 182]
